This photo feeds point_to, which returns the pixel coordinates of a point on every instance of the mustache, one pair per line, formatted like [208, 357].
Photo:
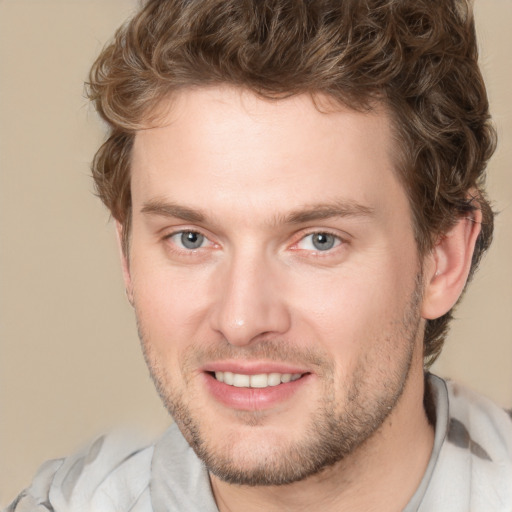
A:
[268, 349]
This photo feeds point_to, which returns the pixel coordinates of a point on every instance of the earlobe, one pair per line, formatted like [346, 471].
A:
[449, 265]
[125, 264]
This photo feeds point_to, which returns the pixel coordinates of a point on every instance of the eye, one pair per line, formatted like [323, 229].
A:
[189, 240]
[319, 242]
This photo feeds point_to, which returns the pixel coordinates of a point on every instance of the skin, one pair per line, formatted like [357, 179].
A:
[250, 176]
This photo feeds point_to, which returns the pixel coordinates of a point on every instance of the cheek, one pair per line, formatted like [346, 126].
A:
[170, 304]
[351, 309]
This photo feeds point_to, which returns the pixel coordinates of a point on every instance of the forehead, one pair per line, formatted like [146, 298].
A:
[221, 146]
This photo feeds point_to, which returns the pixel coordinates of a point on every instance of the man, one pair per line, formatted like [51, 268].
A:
[297, 189]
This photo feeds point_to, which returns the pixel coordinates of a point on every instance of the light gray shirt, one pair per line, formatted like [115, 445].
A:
[470, 468]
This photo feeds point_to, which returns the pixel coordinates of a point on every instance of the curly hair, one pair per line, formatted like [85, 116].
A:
[417, 57]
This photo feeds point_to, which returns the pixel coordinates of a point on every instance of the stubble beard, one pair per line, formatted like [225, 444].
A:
[332, 433]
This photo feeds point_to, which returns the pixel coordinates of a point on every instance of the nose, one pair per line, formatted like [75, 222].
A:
[250, 301]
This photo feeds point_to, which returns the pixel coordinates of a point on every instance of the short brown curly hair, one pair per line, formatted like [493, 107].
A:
[417, 57]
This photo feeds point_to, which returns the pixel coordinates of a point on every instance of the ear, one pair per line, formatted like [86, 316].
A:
[125, 263]
[448, 265]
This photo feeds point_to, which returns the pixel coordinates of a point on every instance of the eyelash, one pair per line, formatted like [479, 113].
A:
[185, 250]
[339, 241]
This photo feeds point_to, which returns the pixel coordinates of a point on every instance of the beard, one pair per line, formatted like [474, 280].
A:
[346, 416]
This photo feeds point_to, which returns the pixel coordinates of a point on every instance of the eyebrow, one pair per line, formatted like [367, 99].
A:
[301, 215]
[167, 209]
[328, 210]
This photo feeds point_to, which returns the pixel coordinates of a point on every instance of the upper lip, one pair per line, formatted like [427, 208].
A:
[252, 367]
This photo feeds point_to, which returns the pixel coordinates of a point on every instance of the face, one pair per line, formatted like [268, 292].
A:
[275, 279]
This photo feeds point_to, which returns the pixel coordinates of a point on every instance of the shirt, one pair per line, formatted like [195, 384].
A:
[470, 468]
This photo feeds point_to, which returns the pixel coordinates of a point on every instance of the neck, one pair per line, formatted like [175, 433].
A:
[382, 474]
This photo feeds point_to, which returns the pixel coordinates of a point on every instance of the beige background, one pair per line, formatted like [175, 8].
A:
[70, 366]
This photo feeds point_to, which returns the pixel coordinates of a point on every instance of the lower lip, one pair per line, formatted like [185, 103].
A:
[251, 399]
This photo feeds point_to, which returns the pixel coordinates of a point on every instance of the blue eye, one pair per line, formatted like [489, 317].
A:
[189, 239]
[319, 242]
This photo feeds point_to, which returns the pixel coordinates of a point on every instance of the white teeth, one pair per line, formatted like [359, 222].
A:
[241, 381]
[274, 379]
[261, 380]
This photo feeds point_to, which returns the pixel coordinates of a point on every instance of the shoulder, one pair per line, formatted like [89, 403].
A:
[111, 474]
[473, 468]
[119, 474]
[478, 424]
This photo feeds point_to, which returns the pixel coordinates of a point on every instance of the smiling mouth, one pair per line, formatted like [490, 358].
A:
[262, 380]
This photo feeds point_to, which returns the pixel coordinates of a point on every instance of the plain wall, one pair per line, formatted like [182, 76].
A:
[70, 364]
